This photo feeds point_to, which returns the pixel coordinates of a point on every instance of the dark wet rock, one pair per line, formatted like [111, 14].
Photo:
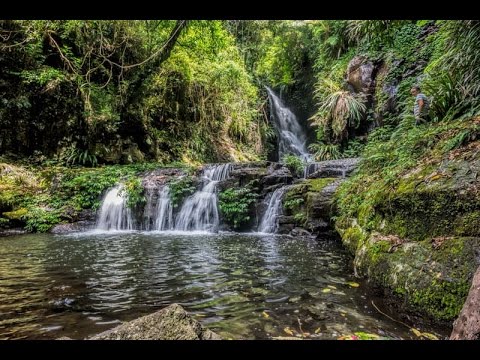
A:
[158, 177]
[467, 325]
[278, 176]
[12, 232]
[73, 227]
[285, 224]
[332, 168]
[298, 231]
[170, 323]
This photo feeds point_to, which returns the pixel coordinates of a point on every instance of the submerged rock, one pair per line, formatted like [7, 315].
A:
[170, 323]
[467, 326]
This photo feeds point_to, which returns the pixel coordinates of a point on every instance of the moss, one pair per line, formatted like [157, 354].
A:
[352, 237]
[317, 185]
[430, 213]
[434, 281]
[467, 224]
[16, 215]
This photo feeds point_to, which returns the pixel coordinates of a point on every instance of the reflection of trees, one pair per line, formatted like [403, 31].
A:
[23, 284]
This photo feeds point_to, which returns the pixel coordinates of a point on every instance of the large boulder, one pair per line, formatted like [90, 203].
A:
[170, 323]
[467, 325]
[361, 75]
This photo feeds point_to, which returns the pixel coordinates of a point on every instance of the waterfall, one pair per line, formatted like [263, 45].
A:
[291, 138]
[164, 210]
[158, 213]
[199, 211]
[114, 213]
[269, 221]
[310, 169]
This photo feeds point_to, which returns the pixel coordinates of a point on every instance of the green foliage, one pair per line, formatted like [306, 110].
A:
[135, 192]
[3, 222]
[74, 156]
[323, 151]
[293, 203]
[453, 77]
[235, 205]
[462, 138]
[378, 33]
[180, 189]
[41, 220]
[354, 149]
[339, 109]
[100, 82]
[295, 164]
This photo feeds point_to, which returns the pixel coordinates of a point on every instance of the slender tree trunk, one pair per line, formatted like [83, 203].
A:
[149, 68]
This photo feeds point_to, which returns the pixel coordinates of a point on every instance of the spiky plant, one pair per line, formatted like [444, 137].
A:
[339, 109]
[325, 151]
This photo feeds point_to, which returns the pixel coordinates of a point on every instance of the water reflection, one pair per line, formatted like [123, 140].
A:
[242, 286]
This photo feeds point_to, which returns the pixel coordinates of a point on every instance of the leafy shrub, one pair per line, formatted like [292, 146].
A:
[180, 189]
[135, 192]
[235, 205]
[41, 220]
[294, 164]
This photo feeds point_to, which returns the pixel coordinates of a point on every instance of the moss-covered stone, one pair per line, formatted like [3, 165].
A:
[307, 202]
[430, 279]
[15, 215]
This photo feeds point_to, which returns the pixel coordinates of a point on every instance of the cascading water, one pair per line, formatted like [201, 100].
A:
[158, 213]
[199, 212]
[114, 213]
[270, 218]
[164, 210]
[292, 139]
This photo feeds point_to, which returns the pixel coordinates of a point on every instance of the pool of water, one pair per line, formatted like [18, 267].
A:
[242, 286]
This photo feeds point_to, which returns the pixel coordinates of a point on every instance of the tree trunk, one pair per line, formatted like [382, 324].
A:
[467, 325]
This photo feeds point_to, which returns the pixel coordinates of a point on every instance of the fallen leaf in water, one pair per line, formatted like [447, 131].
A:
[366, 336]
[317, 330]
[288, 331]
[343, 314]
[429, 336]
[353, 284]
[332, 287]
[326, 290]
[285, 338]
[265, 315]
[416, 332]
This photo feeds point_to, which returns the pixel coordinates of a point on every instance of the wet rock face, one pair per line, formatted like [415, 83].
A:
[331, 168]
[170, 323]
[361, 75]
[467, 325]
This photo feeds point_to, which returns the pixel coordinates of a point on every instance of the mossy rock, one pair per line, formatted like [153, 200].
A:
[432, 279]
[16, 215]
[318, 185]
